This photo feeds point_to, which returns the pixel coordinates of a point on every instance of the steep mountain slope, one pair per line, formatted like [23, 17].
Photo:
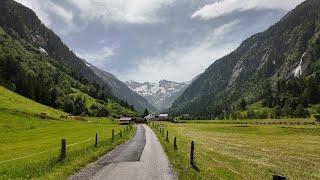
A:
[36, 64]
[161, 94]
[122, 91]
[22, 23]
[277, 55]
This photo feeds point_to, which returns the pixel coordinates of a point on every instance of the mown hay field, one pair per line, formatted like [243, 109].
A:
[243, 151]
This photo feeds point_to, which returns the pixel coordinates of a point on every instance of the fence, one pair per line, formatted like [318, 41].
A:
[64, 145]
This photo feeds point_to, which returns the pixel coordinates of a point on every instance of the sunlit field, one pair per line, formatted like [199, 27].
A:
[244, 151]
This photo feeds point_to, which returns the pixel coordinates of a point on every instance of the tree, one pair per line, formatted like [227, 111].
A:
[146, 112]
[103, 112]
[68, 106]
[301, 112]
[277, 113]
[243, 104]
[251, 114]
[79, 106]
[267, 96]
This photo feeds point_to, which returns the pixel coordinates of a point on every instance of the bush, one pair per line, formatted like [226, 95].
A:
[301, 112]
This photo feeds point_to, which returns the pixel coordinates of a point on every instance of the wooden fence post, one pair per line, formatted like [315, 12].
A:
[278, 177]
[175, 143]
[96, 144]
[167, 138]
[163, 133]
[112, 135]
[63, 149]
[192, 154]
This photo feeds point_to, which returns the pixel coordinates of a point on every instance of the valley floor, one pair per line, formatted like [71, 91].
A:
[244, 151]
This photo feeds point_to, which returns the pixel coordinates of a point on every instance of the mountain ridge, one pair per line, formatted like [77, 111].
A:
[21, 22]
[264, 58]
[160, 94]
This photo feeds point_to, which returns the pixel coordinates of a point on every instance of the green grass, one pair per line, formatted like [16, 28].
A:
[233, 151]
[12, 102]
[251, 121]
[24, 133]
[115, 109]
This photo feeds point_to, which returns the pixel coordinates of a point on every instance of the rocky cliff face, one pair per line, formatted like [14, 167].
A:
[288, 48]
[161, 94]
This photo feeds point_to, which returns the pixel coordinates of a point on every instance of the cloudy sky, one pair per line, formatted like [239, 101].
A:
[150, 40]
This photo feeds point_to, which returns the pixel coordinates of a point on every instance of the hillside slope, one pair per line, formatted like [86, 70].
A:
[11, 102]
[22, 23]
[284, 54]
[122, 91]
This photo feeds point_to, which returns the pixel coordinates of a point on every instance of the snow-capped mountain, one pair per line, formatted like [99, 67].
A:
[160, 94]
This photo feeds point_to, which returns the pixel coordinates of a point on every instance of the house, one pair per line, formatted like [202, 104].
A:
[149, 117]
[125, 120]
[160, 117]
[163, 117]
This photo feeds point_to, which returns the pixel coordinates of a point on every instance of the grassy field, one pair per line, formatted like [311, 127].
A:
[30, 145]
[239, 151]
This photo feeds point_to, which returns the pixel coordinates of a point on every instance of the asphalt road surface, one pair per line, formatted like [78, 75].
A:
[141, 158]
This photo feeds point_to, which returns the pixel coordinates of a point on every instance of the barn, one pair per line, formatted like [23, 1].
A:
[125, 120]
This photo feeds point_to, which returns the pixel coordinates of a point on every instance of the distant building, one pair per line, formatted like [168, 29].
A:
[125, 120]
[160, 117]
[163, 117]
[149, 117]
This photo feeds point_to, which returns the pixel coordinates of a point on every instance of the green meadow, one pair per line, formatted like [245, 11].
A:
[244, 151]
[30, 144]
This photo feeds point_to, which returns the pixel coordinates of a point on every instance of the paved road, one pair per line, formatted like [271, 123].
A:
[141, 158]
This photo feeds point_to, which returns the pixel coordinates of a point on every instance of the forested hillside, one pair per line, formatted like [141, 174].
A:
[36, 64]
[279, 69]
[22, 24]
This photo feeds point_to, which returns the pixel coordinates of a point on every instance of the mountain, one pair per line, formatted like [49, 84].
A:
[35, 63]
[161, 94]
[278, 67]
[122, 91]
[22, 24]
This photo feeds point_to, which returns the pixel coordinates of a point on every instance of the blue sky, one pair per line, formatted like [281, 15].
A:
[150, 40]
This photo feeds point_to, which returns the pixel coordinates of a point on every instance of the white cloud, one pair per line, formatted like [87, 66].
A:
[224, 7]
[120, 11]
[183, 64]
[106, 12]
[98, 57]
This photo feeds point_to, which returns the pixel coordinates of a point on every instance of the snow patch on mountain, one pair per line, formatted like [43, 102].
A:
[43, 51]
[160, 94]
